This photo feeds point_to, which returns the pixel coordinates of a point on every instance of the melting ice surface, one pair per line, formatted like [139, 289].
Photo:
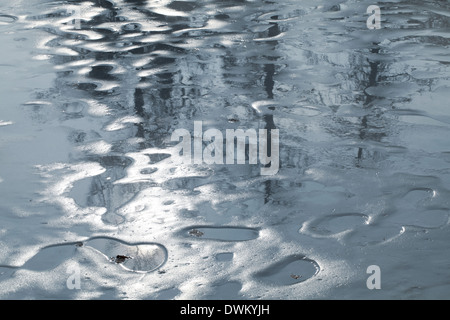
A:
[92, 91]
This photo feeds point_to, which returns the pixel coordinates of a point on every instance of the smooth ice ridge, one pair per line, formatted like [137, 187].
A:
[291, 270]
[5, 123]
[137, 257]
[221, 233]
[334, 224]
[6, 18]
[140, 257]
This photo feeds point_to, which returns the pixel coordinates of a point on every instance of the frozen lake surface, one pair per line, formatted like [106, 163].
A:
[91, 192]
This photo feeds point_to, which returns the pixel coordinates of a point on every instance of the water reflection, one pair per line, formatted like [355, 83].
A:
[170, 63]
[269, 69]
[134, 71]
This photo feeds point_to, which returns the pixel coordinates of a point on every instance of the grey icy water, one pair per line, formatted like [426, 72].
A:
[93, 204]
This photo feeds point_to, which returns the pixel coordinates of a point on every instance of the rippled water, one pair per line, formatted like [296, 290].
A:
[93, 90]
